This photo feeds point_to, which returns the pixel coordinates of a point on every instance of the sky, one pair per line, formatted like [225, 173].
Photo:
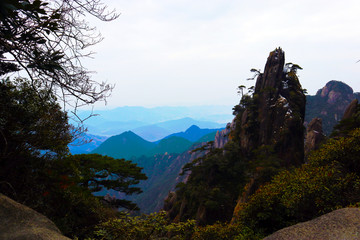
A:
[196, 52]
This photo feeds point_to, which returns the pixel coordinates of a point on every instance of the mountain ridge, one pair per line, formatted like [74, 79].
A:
[129, 145]
[194, 133]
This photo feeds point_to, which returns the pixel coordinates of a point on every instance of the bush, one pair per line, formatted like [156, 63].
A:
[152, 226]
[224, 231]
[329, 181]
[156, 226]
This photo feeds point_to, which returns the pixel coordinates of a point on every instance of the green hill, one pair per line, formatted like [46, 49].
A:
[126, 145]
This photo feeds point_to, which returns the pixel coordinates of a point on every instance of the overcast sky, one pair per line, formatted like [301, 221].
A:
[196, 52]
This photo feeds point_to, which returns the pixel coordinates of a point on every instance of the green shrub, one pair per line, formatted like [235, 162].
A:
[329, 181]
[152, 226]
[224, 231]
[156, 226]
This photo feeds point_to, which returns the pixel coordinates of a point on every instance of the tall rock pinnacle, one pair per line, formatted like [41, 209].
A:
[276, 114]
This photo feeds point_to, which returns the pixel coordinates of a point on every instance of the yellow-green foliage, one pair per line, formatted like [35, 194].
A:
[156, 226]
[152, 226]
[329, 181]
[224, 231]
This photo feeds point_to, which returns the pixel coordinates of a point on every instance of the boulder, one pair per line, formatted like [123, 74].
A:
[340, 224]
[18, 222]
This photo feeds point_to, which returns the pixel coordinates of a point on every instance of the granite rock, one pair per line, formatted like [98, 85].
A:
[342, 224]
[18, 222]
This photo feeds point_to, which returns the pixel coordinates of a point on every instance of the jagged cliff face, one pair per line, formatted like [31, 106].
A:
[276, 114]
[329, 104]
[223, 136]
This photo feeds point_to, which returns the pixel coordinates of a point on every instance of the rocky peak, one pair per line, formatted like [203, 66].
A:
[335, 91]
[193, 128]
[277, 112]
[329, 104]
[273, 71]
[267, 131]
[272, 119]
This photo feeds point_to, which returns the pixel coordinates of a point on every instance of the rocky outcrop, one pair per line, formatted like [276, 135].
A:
[340, 224]
[314, 136]
[20, 222]
[335, 92]
[275, 114]
[351, 109]
[223, 136]
[329, 104]
[272, 121]
[350, 120]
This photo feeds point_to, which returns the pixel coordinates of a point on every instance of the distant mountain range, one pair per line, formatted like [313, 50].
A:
[150, 133]
[154, 124]
[147, 116]
[160, 130]
[129, 145]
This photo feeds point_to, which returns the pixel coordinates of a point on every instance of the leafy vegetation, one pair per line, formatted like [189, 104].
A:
[213, 186]
[33, 132]
[330, 180]
[156, 226]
